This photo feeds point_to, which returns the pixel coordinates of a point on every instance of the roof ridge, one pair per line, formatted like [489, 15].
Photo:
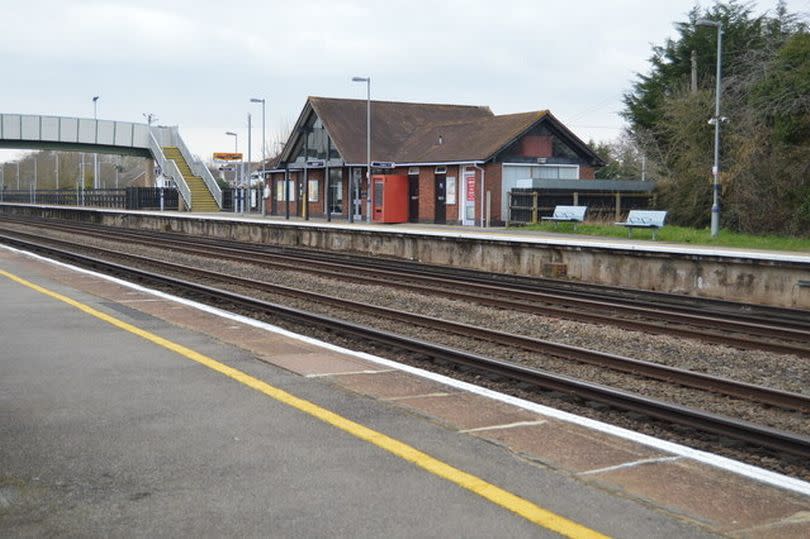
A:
[482, 107]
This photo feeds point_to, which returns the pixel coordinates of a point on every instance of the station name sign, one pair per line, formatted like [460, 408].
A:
[382, 164]
[227, 156]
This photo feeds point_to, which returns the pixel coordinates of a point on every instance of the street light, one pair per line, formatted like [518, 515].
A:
[367, 80]
[235, 140]
[716, 121]
[264, 153]
[149, 118]
[95, 155]
[236, 174]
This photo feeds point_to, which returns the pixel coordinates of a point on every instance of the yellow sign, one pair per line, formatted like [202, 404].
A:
[227, 156]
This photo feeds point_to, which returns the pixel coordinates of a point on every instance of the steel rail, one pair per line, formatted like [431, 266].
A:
[729, 310]
[757, 435]
[752, 392]
[498, 298]
[779, 318]
[748, 432]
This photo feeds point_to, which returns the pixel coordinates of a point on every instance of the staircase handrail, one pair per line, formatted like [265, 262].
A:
[169, 168]
[199, 169]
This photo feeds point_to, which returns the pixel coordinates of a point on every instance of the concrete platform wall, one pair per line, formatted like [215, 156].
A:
[741, 279]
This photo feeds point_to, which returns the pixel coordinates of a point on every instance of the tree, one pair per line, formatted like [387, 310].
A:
[765, 152]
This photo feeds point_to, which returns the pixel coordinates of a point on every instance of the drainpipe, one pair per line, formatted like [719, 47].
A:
[483, 193]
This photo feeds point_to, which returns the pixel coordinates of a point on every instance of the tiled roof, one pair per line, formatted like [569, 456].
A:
[392, 123]
[474, 140]
[422, 132]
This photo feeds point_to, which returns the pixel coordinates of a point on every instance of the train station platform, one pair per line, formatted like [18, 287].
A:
[743, 275]
[126, 411]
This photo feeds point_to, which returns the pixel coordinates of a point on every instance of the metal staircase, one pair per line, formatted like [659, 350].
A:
[202, 200]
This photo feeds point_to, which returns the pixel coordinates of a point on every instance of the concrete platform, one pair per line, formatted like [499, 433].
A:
[748, 276]
[106, 433]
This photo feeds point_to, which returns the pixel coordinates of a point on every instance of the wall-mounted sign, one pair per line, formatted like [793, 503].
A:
[451, 190]
[382, 164]
[469, 197]
[227, 156]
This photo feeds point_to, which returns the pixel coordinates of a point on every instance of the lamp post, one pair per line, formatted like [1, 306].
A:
[236, 172]
[367, 80]
[264, 145]
[95, 155]
[716, 120]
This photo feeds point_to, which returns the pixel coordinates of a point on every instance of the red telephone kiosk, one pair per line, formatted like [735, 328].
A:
[389, 198]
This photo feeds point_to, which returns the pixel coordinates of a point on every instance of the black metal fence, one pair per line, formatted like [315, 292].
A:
[253, 195]
[530, 205]
[131, 198]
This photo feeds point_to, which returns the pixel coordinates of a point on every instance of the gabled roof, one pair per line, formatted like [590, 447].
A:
[475, 140]
[410, 132]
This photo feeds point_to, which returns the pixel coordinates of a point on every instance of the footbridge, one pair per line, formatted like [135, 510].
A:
[194, 181]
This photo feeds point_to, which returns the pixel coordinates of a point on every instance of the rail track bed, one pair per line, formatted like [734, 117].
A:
[747, 327]
[762, 425]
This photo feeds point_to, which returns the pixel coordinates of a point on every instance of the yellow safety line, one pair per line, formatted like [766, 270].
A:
[494, 494]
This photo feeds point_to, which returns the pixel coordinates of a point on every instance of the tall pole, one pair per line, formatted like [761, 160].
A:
[56, 155]
[716, 169]
[18, 175]
[368, 150]
[716, 120]
[96, 184]
[367, 80]
[263, 101]
[249, 190]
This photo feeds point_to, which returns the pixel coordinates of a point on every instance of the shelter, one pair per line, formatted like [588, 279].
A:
[461, 160]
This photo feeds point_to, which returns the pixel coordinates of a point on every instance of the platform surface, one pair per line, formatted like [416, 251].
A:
[500, 234]
[106, 433]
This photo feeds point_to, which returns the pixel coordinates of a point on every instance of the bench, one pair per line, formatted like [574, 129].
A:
[568, 214]
[644, 219]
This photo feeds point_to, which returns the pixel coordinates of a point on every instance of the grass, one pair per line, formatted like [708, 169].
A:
[679, 234]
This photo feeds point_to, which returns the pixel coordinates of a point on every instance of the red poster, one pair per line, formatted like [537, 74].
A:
[470, 178]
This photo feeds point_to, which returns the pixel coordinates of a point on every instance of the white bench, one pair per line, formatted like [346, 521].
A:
[568, 214]
[644, 219]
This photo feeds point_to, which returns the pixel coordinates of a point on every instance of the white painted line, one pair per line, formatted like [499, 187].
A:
[422, 396]
[347, 373]
[505, 426]
[138, 300]
[717, 461]
[630, 465]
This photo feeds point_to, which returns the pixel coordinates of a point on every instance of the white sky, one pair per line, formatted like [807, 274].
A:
[196, 63]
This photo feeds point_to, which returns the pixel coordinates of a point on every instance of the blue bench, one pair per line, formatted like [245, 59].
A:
[568, 214]
[644, 219]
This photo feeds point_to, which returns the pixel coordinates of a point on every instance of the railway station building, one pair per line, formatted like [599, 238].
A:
[460, 161]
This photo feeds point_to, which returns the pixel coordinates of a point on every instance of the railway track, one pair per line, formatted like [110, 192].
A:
[789, 334]
[740, 430]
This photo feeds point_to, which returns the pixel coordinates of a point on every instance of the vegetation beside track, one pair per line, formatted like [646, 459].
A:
[680, 234]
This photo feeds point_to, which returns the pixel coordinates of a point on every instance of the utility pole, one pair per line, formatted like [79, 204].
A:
[56, 155]
[96, 183]
[248, 192]
[694, 71]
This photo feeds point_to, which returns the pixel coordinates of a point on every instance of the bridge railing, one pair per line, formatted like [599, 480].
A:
[169, 168]
[199, 169]
[68, 130]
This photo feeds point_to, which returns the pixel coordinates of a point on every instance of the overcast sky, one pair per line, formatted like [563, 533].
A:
[196, 63]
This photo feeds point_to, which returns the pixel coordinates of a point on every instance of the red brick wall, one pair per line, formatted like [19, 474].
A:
[586, 173]
[427, 194]
[493, 185]
[536, 146]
